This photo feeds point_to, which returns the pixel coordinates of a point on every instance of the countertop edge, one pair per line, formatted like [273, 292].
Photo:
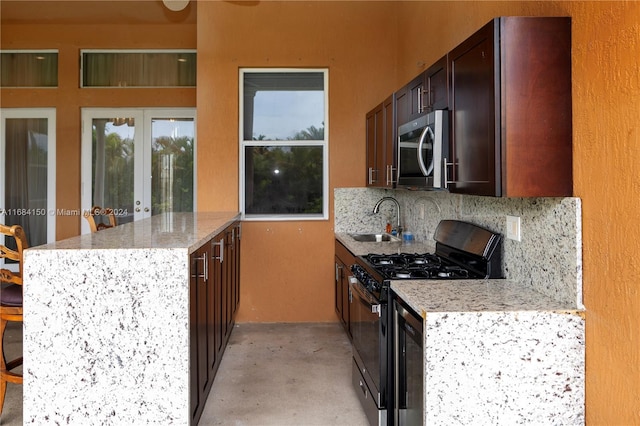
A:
[161, 232]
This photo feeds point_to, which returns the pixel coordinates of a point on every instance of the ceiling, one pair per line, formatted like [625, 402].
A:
[74, 12]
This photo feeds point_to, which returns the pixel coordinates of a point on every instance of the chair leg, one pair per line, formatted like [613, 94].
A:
[3, 391]
[3, 379]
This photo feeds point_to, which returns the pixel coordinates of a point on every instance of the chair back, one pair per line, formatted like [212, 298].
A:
[95, 218]
[20, 238]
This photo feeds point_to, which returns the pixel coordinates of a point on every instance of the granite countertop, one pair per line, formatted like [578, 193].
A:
[163, 231]
[490, 295]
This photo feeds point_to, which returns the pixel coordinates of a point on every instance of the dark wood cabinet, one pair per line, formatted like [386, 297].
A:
[216, 332]
[427, 92]
[381, 145]
[200, 293]
[343, 261]
[213, 298]
[510, 95]
[236, 232]
[230, 288]
[437, 84]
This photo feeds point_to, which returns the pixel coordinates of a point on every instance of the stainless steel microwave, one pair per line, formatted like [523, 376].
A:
[422, 145]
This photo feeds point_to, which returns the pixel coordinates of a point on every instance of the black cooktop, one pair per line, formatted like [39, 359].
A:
[417, 266]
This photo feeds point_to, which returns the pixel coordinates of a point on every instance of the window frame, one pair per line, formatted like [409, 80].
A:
[243, 144]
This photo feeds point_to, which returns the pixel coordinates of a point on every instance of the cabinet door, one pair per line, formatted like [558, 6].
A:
[380, 126]
[473, 100]
[388, 145]
[345, 299]
[437, 94]
[417, 89]
[217, 255]
[235, 259]
[402, 105]
[343, 260]
[375, 160]
[409, 100]
[415, 98]
[193, 337]
[200, 376]
[338, 272]
[229, 296]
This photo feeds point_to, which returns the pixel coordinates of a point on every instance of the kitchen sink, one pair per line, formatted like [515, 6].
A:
[371, 238]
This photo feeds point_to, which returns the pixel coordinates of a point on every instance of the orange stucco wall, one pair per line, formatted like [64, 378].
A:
[287, 272]
[372, 48]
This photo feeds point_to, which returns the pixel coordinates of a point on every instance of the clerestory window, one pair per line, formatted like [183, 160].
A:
[29, 68]
[284, 144]
[138, 68]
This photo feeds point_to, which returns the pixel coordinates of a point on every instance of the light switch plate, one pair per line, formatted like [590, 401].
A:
[513, 228]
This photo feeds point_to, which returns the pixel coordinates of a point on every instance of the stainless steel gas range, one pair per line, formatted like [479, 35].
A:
[463, 251]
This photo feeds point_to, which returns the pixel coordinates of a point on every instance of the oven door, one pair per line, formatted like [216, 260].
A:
[369, 334]
[422, 145]
[408, 366]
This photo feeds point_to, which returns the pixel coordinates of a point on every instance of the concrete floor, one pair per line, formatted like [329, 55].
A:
[271, 374]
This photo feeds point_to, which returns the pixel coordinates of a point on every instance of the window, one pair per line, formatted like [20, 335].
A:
[29, 68]
[138, 68]
[284, 145]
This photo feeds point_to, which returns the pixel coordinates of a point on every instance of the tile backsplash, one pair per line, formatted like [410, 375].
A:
[548, 258]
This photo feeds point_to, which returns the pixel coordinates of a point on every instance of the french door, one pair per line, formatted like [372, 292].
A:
[28, 172]
[138, 161]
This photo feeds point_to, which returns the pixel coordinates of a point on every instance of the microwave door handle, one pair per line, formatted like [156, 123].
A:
[423, 138]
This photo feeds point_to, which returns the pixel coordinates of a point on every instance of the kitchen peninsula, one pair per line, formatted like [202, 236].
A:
[107, 325]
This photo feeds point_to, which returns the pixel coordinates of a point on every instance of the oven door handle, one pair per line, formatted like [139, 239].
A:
[365, 299]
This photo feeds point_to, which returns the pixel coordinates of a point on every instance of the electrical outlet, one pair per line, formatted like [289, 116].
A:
[421, 211]
[513, 228]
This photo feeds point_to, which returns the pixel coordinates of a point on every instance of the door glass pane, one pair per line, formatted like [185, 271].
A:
[26, 149]
[172, 142]
[113, 165]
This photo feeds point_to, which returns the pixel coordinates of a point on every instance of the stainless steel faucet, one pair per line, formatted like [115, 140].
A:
[376, 209]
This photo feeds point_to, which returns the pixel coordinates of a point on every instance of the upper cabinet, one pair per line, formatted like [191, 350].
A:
[510, 97]
[381, 145]
[426, 92]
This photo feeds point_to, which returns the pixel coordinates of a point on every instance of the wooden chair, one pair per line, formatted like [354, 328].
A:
[10, 303]
[99, 212]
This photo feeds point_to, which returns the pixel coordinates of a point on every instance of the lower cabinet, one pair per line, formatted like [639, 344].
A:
[199, 308]
[343, 261]
[213, 299]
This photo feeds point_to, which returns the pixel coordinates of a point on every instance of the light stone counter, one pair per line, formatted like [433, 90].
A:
[106, 323]
[497, 352]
